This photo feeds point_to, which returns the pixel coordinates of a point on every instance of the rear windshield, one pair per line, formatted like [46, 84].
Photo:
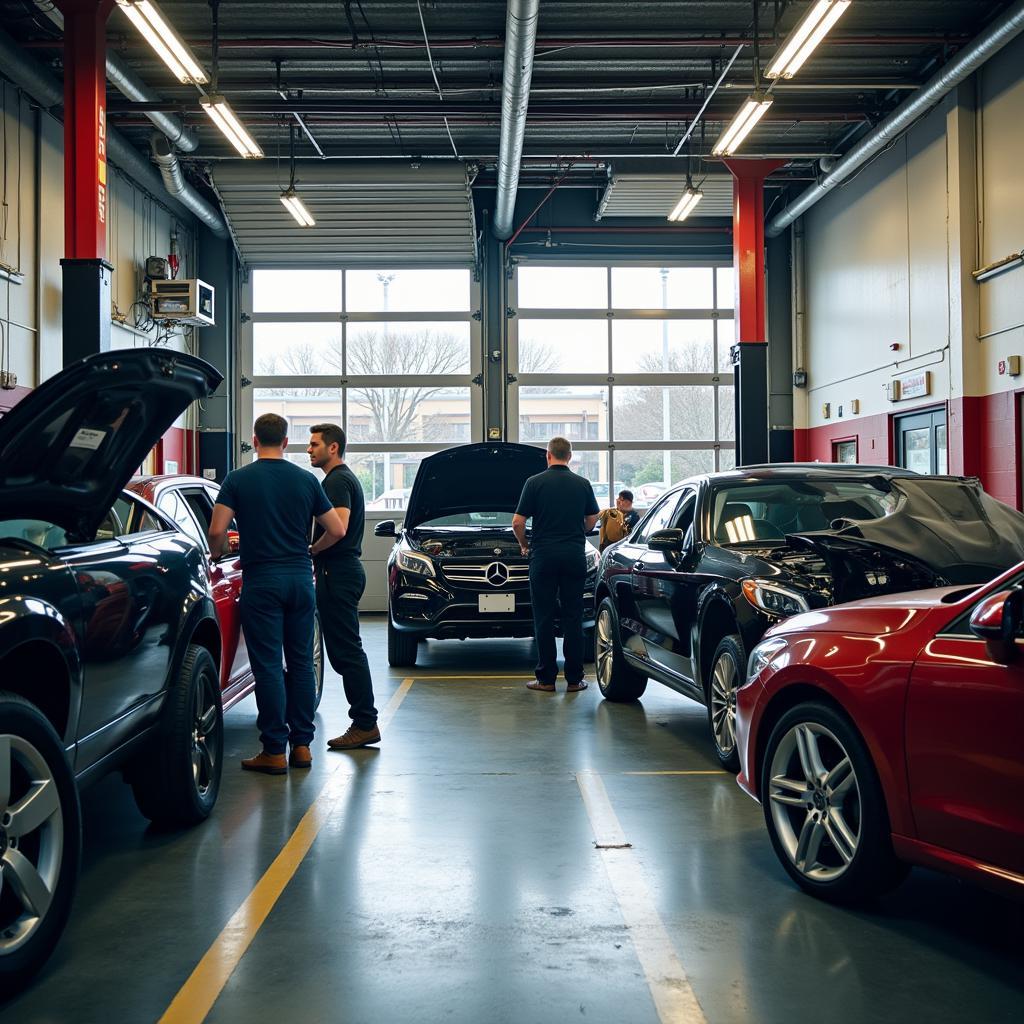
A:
[758, 512]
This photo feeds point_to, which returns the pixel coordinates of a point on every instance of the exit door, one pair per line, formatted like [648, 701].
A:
[921, 442]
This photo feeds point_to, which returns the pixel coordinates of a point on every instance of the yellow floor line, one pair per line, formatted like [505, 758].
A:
[196, 997]
[708, 771]
[673, 997]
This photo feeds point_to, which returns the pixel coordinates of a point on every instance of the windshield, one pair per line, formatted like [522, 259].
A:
[489, 520]
[760, 512]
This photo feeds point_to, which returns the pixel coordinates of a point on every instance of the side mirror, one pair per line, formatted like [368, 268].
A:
[385, 528]
[672, 541]
[997, 621]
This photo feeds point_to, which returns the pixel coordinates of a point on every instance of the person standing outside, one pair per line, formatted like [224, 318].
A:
[340, 582]
[274, 503]
[564, 510]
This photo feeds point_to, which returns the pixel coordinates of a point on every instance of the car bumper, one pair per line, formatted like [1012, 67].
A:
[749, 709]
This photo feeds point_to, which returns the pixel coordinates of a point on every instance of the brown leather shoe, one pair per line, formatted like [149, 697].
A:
[536, 684]
[355, 738]
[269, 764]
[301, 757]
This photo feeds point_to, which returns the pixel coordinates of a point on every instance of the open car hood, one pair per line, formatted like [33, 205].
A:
[947, 524]
[472, 478]
[68, 448]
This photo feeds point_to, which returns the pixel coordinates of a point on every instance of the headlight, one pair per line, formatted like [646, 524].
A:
[418, 565]
[779, 602]
[764, 654]
[593, 558]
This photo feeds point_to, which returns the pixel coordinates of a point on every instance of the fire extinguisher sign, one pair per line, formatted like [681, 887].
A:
[101, 171]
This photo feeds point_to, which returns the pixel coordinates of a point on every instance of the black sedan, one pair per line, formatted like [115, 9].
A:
[456, 570]
[109, 643]
[718, 559]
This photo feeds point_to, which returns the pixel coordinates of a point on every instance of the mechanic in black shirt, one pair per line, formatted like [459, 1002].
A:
[564, 510]
[340, 582]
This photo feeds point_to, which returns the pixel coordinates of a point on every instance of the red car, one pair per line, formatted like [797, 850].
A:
[890, 732]
[188, 502]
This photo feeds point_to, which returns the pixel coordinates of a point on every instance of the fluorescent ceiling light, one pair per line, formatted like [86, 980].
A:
[294, 205]
[754, 108]
[149, 20]
[690, 198]
[801, 42]
[225, 119]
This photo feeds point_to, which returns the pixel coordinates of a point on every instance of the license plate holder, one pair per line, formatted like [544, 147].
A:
[496, 603]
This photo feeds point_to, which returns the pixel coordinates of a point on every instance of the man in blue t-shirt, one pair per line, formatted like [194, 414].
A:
[274, 504]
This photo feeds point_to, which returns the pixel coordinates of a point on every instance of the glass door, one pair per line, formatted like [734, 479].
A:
[921, 442]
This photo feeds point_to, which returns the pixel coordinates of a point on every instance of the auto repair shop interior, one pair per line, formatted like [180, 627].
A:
[760, 262]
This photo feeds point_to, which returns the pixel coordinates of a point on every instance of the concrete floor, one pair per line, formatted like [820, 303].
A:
[455, 878]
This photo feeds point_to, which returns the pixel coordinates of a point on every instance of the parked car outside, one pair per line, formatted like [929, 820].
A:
[188, 502]
[456, 570]
[887, 732]
[109, 640]
[720, 558]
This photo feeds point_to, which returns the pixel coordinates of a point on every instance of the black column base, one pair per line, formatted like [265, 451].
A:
[86, 308]
[750, 367]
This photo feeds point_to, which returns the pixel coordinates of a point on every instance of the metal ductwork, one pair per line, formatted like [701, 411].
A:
[127, 82]
[48, 92]
[174, 181]
[1004, 29]
[520, 37]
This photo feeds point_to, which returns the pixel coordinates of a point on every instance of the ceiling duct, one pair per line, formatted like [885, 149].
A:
[520, 38]
[174, 181]
[985, 45]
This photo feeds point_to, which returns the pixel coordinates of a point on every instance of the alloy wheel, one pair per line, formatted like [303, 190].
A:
[723, 704]
[31, 841]
[205, 722]
[815, 802]
[605, 647]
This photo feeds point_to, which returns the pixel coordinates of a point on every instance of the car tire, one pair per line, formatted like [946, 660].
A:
[176, 784]
[617, 680]
[728, 671]
[318, 661]
[49, 850]
[401, 647]
[589, 646]
[833, 836]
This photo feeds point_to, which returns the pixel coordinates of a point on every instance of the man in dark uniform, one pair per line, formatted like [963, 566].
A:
[274, 503]
[340, 582]
[564, 510]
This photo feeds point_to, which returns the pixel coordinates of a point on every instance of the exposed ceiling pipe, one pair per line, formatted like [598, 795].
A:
[48, 92]
[1004, 29]
[174, 181]
[520, 37]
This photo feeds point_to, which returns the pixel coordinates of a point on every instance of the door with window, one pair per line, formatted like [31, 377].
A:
[921, 442]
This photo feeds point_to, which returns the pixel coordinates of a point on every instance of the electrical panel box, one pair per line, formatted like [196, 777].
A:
[186, 301]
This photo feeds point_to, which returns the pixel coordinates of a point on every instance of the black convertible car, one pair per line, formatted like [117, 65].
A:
[720, 558]
[109, 642]
[456, 570]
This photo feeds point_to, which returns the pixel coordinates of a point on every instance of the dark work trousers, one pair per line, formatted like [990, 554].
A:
[558, 573]
[339, 586]
[277, 612]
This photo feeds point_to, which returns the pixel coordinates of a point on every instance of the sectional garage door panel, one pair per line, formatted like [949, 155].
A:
[654, 195]
[364, 214]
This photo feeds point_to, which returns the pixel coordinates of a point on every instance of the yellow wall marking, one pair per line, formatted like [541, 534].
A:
[197, 996]
[673, 997]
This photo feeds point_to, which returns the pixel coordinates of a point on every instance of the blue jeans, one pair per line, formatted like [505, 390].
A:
[277, 612]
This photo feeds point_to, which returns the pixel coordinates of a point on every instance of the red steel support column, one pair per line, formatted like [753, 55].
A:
[750, 354]
[86, 297]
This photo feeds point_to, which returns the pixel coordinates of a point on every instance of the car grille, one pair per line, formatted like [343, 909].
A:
[491, 574]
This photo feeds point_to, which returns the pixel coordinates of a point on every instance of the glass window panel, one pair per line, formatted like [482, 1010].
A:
[578, 413]
[301, 407]
[563, 288]
[293, 350]
[727, 459]
[563, 346]
[664, 414]
[663, 346]
[407, 291]
[941, 449]
[726, 414]
[662, 288]
[726, 340]
[726, 287]
[407, 348]
[691, 463]
[386, 477]
[296, 291]
[917, 450]
[408, 414]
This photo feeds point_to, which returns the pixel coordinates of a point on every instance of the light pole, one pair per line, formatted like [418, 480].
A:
[666, 400]
[385, 280]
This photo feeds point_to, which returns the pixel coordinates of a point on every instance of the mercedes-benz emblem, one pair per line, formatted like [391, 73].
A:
[496, 574]
[497, 551]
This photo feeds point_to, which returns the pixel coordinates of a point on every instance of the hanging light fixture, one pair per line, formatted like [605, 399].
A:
[289, 197]
[754, 108]
[171, 48]
[687, 203]
[802, 41]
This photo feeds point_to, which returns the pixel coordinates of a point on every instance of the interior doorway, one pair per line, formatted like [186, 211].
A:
[921, 444]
